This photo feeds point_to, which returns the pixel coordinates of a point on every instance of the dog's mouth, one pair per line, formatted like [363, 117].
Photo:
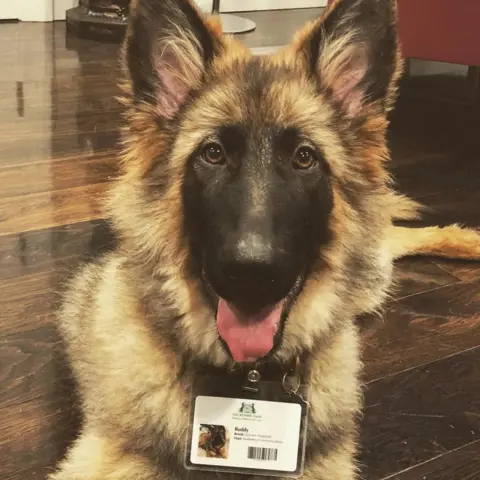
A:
[252, 335]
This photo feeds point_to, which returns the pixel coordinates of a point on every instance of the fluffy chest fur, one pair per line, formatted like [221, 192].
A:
[134, 388]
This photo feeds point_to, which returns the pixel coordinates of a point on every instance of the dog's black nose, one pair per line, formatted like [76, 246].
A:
[252, 273]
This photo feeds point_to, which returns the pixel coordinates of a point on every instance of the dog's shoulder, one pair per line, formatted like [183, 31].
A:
[84, 293]
[108, 336]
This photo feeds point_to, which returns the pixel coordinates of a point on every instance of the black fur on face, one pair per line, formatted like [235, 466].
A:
[257, 202]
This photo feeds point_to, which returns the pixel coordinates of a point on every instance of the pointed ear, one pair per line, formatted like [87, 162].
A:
[353, 53]
[168, 48]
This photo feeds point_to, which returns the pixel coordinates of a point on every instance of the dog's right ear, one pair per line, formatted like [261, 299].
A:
[168, 48]
[352, 53]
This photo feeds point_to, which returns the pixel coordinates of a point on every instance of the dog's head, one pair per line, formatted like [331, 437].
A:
[256, 185]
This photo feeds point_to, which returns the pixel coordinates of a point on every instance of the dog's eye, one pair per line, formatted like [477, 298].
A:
[213, 153]
[304, 158]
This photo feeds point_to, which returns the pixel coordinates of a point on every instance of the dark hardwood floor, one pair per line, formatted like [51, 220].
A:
[58, 141]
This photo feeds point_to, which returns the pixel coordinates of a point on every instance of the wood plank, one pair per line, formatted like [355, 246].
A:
[41, 251]
[417, 275]
[31, 302]
[423, 328]
[33, 438]
[460, 464]
[33, 149]
[34, 267]
[418, 415]
[27, 360]
[50, 209]
[465, 271]
[63, 173]
[39, 414]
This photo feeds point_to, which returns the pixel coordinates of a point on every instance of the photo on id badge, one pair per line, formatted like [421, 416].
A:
[213, 441]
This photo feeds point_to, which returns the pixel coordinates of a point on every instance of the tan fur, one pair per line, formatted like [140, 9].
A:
[401, 207]
[452, 241]
[98, 457]
[134, 384]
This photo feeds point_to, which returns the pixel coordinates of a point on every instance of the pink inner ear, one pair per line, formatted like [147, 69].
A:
[173, 91]
[346, 92]
[172, 95]
[345, 85]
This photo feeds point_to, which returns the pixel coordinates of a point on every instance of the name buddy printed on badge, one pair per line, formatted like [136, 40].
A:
[243, 435]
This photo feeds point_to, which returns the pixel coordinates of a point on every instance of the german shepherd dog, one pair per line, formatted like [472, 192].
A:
[256, 222]
[213, 440]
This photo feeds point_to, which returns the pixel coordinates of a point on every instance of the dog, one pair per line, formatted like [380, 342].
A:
[213, 440]
[256, 221]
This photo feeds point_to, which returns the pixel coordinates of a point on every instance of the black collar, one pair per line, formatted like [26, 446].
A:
[267, 369]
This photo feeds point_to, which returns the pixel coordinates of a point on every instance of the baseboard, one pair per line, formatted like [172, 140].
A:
[253, 5]
[265, 50]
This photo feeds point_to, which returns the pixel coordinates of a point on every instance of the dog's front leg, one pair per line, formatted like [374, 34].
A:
[94, 457]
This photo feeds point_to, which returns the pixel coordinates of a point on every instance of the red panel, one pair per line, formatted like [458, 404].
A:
[442, 30]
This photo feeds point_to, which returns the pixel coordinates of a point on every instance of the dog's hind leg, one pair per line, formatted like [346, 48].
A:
[452, 241]
[96, 458]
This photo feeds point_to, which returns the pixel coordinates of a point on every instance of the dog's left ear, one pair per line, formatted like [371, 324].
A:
[352, 53]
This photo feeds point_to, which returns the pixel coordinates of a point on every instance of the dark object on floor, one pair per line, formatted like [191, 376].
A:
[99, 19]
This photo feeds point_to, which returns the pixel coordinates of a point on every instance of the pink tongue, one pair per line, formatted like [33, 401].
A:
[248, 337]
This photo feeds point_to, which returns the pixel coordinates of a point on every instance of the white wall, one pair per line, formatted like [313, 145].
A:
[61, 6]
[27, 10]
[8, 10]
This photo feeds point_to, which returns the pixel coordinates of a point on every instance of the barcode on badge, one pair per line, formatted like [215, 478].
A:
[259, 453]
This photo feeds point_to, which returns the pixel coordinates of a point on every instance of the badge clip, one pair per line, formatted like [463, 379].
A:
[251, 381]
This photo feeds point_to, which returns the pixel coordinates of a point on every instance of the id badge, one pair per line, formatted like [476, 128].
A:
[251, 433]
